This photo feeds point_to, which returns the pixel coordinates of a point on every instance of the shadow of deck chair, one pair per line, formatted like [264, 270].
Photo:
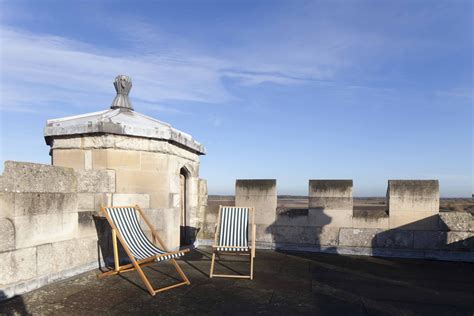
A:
[231, 236]
[125, 225]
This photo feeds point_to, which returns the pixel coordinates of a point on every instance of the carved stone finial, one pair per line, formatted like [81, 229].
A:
[122, 84]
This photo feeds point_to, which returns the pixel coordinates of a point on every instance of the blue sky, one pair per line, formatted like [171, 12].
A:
[297, 90]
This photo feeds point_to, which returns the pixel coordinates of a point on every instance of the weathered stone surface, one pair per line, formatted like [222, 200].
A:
[430, 239]
[95, 181]
[395, 239]
[255, 186]
[30, 204]
[32, 177]
[330, 194]
[153, 161]
[414, 221]
[370, 222]
[293, 217]
[121, 143]
[330, 218]
[413, 196]
[155, 217]
[40, 229]
[331, 203]
[102, 199]
[331, 188]
[67, 143]
[106, 141]
[86, 201]
[441, 240]
[70, 158]
[7, 204]
[130, 181]
[207, 231]
[292, 234]
[7, 235]
[170, 232]
[261, 194]
[122, 199]
[123, 159]
[86, 224]
[17, 265]
[44, 259]
[175, 200]
[203, 188]
[327, 236]
[354, 237]
[88, 159]
[456, 221]
[74, 252]
[264, 233]
[460, 241]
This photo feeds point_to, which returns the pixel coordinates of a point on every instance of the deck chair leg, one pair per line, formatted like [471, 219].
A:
[251, 266]
[180, 271]
[116, 255]
[144, 279]
[212, 264]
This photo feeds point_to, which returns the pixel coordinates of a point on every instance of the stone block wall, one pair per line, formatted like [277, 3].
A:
[142, 166]
[413, 226]
[412, 201]
[330, 203]
[47, 228]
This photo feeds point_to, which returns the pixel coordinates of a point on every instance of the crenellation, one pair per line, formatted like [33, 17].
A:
[260, 194]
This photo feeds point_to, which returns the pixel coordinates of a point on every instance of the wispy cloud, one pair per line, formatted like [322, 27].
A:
[47, 71]
[41, 70]
[466, 93]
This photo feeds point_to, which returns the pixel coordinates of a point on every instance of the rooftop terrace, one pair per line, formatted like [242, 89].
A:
[284, 283]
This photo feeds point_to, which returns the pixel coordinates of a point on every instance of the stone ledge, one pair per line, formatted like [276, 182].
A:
[358, 251]
[32, 177]
[457, 221]
[123, 143]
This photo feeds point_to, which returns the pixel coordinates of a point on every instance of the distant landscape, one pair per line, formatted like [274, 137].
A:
[367, 205]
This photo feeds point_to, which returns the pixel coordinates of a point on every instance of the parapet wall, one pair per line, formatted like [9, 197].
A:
[411, 226]
[49, 228]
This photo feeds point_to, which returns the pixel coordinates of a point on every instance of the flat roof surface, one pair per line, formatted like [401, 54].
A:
[284, 283]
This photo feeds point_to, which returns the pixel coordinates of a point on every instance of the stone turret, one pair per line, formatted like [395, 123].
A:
[149, 157]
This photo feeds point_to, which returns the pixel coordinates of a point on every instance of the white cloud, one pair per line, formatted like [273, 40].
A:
[45, 71]
[39, 70]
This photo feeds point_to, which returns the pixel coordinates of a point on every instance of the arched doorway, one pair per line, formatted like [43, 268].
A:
[183, 220]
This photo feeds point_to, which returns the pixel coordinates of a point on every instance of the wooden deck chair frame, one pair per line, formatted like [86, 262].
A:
[236, 251]
[138, 264]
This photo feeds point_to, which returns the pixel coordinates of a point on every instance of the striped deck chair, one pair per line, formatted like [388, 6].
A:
[231, 236]
[125, 225]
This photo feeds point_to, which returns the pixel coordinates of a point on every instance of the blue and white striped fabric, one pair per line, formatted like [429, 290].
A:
[233, 229]
[127, 223]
